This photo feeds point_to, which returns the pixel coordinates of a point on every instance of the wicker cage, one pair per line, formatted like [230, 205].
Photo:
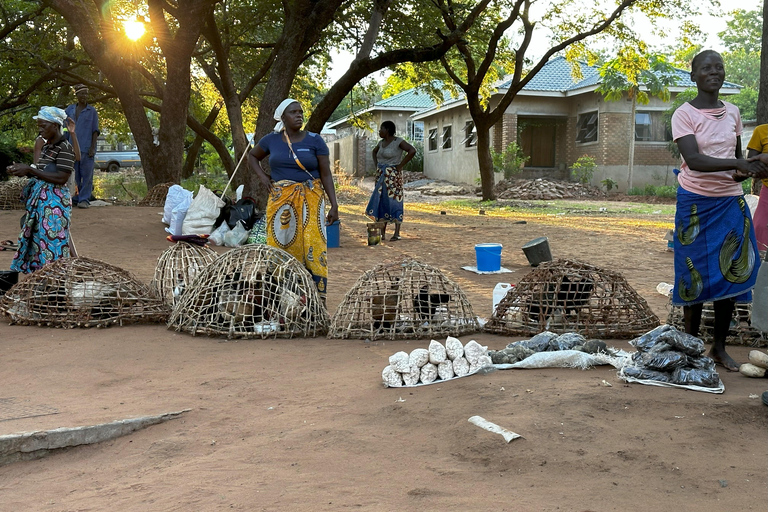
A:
[403, 300]
[81, 292]
[571, 296]
[741, 331]
[156, 196]
[177, 267]
[253, 291]
[10, 191]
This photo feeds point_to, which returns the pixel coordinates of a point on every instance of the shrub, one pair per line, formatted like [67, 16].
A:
[609, 184]
[510, 161]
[583, 169]
[417, 162]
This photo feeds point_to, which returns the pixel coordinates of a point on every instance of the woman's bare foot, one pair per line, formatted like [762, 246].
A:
[723, 359]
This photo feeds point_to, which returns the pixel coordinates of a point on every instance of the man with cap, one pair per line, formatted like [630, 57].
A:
[87, 129]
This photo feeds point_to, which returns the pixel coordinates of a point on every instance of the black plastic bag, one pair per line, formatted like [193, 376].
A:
[682, 342]
[661, 361]
[694, 377]
[645, 374]
[648, 340]
[243, 211]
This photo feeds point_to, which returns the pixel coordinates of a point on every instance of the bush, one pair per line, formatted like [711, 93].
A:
[666, 191]
[417, 162]
[510, 161]
[635, 191]
[583, 169]
[609, 184]
[649, 190]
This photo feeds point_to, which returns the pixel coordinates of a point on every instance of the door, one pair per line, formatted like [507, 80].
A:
[537, 140]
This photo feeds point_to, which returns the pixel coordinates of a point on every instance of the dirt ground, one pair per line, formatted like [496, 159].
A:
[305, 424]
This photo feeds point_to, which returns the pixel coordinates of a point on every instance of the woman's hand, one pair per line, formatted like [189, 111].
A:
[70, 125]
[333, 215]
[19, 170]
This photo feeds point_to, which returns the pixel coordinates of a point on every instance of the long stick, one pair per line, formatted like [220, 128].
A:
[235, 171]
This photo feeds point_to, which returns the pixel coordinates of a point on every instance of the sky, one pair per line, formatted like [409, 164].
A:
[710, 24]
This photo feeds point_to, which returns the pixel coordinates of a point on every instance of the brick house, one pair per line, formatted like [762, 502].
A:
[557, 118]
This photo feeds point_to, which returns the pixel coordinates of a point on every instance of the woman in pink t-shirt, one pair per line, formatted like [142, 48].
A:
[716, 258]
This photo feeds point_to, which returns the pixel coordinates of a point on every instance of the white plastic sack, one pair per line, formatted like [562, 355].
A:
[436, 352]
[411, 378]
[178, 214]
[445, 370]
[453, 348]
[202, 213]
[482, 362]
[418, 357]
[237, 236]
[460, 366]
[175, 195]
[473, 350]
[391, 378]
[217, 237]
[399, 362]
[428, 373]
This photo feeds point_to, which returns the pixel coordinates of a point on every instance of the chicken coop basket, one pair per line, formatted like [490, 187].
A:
[177, 268]
[81, 292]
[402, 300]
[253, 291]
[571, 296]
[156, 196]
[740, 331]
[9, 194]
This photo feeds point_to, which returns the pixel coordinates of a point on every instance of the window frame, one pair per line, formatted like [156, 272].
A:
[658, 132]
[447, 140]
[432, 138]
[470, 135]
[587, 124]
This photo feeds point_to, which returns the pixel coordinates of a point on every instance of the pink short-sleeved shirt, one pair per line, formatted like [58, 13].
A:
[716, 138]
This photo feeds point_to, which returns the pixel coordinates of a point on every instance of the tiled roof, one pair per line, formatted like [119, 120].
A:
[416, 99]
[557, 76]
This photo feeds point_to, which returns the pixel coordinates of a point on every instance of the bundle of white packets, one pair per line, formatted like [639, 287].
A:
[439, 362]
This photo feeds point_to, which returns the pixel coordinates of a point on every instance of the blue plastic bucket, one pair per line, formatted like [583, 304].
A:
[488, 257]
[332, 234]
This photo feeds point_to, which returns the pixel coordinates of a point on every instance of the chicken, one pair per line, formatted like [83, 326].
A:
[426, 303]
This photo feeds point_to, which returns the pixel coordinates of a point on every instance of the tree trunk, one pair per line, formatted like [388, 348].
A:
[194, 149]
[762, 96]
[485, 161]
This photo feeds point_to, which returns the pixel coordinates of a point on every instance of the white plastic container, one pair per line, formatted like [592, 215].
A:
[499, 292]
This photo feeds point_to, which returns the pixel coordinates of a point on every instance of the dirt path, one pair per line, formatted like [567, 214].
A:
[306, 425]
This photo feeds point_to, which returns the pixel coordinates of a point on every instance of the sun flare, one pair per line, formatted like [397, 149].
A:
[134, 29]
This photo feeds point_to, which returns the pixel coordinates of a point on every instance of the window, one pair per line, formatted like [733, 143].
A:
[433, 139]
[446, 137]
[586, 124]
[470, 135]
[650, 127]
[416, 130]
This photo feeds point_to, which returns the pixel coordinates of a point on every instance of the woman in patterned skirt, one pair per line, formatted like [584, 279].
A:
[44, 235]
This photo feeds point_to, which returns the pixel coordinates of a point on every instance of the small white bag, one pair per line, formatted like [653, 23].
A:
[202, 213]
[237, 236]
[176, 195]
[178, 214]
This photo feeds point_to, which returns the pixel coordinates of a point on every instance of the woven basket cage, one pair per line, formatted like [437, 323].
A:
[741, 331]
[571, 296]
[9, 194]
[177, 267]
[156, 196]
[403, 300]
[253, 291]
[81, 292]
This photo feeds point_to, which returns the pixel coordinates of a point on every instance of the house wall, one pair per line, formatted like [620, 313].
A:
[457, 164]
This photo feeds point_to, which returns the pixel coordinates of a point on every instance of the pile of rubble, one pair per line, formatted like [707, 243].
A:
[545, 189]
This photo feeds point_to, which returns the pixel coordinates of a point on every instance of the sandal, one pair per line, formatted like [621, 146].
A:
[8, 245]
[394, 238]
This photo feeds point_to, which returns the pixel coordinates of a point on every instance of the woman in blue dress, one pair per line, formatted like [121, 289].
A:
[386, 204]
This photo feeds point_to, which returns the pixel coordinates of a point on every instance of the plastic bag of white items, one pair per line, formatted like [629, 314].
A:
[217, 237]
[682, 342]
[391, 378]
[646, 342]
[428, 373]
[482, 362]
[418, 357]
[176, 194]
[236, 236]
[661, 361]
[399, 362]
[694, 377]
[640, 373]
[411, 378]
[460, 366]
[436, 352]
[473, 350]
[453, 348]
[445, 370]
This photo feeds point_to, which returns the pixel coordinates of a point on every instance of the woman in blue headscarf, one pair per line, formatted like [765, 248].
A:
[44, 234]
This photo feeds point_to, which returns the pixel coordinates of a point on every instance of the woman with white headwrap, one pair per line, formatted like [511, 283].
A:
[300, 178]
[44, 235]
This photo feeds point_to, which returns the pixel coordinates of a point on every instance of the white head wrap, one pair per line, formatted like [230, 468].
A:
[52, 115]
[279, 113]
